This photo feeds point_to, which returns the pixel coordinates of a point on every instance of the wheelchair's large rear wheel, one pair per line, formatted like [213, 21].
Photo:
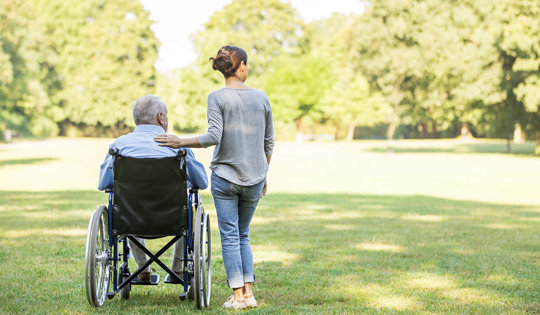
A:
[96, 266]
[202, 259]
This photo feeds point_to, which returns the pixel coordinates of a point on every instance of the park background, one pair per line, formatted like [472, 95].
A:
[403, 180]
[397, 70]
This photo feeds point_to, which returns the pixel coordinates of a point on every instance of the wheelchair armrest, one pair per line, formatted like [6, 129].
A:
[113, 151]
[182, 152]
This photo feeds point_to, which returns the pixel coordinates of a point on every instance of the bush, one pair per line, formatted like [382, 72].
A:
[43, 127]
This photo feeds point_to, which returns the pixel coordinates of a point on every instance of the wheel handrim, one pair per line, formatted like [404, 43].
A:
[197, 277]
[102, 260]
[206, 260]
[97, 265]
[202, 259]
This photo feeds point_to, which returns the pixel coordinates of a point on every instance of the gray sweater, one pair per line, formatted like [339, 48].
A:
[240, 124]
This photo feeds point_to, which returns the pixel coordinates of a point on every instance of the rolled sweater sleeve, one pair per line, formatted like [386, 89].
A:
[215, 124]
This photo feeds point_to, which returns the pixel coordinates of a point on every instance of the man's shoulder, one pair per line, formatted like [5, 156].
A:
[141, 145]
[122, 140]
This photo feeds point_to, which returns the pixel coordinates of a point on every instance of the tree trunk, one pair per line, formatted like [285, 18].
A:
[391, 129]
[350, 132]
[422, 130]
[466, 131]
[537, 149]
[519, 137]
[298, 125]
[390, 135]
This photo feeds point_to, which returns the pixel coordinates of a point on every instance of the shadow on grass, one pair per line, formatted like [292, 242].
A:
[337, 253]
[399, 253]
[522, 149]
[5, 163]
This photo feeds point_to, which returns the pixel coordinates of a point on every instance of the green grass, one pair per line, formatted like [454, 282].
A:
[345, 229]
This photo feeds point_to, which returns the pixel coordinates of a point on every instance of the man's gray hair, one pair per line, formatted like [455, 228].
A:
[146, 109]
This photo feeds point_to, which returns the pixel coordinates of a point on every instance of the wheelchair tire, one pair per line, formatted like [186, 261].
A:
[202, 259]
[96, 266]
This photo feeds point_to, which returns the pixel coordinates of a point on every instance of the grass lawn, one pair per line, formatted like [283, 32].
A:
[433, 227]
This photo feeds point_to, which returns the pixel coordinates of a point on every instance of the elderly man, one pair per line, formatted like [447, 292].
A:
[150, 115]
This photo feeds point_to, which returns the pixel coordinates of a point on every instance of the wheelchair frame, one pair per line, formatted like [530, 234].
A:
[107, 255]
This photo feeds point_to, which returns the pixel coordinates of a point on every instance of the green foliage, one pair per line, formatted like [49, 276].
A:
[351, 102]
[24, 56]
[106, 54]
[425, 58]
[271, 33]
[265, 30]
[439, 62]
[185, 91]
[296, 86]
[430, 66]
[520, 49]
[65, 64]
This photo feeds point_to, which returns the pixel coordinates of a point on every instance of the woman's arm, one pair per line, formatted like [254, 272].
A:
[212, 137]
[168, 140]
[268, 158]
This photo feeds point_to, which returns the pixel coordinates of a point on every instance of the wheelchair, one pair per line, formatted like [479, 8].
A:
[149, 199]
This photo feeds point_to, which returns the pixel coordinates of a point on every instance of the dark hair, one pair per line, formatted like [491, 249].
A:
[228, 59]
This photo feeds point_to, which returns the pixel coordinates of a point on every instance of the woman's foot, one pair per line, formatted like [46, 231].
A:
[231, 303]
[250, 300]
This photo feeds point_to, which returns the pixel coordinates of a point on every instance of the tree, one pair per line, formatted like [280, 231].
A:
[266, 30]
[350, 102]
[380, 43]
[105, 54]
[519, 50]
[24, 60]
[185, 91]
[295, 87]
[434, 61]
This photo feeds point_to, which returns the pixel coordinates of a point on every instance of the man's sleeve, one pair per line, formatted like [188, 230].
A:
[106, 173]
[196, 173]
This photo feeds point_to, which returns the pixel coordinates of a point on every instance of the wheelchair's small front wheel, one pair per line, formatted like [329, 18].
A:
[96, 265]
[202, 259]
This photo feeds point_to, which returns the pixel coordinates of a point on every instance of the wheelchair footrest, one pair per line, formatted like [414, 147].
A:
[171, 280]
[154, 280]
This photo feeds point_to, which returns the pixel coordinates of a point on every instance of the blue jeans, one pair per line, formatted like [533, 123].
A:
[235, 206]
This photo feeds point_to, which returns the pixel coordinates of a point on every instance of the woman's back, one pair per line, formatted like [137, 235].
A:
[240, 125]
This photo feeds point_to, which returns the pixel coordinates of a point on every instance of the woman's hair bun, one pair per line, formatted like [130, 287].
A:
[222, 63]
[228, 59]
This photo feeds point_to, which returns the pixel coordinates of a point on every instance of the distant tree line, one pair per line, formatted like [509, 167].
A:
[402, 68]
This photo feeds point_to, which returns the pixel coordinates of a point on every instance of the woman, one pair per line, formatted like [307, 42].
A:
[240, 125]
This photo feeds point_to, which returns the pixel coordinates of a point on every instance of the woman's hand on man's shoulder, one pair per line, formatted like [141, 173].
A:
[168, 140]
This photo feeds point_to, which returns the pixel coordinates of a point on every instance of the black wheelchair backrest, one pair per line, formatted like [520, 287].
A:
[149, 196]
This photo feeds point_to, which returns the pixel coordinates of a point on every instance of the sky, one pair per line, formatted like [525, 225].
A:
[176, 20]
